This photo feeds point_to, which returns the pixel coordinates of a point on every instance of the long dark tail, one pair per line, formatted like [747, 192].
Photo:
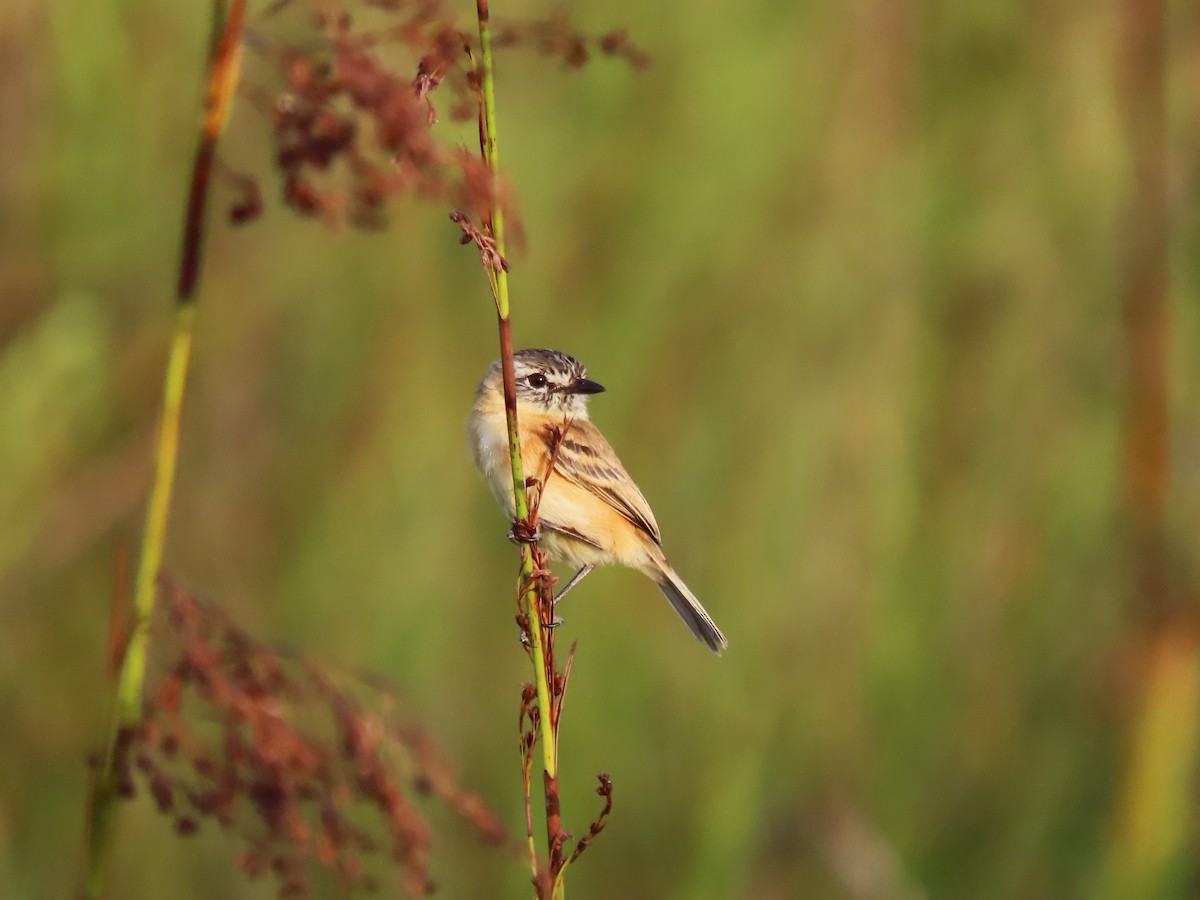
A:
[694, 615]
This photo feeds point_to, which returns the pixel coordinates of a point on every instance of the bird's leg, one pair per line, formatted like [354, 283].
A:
[575, 579]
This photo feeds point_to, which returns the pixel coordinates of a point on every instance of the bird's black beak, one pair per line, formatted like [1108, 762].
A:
[583, 386]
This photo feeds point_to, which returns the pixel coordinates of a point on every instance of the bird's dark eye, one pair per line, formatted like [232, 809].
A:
[536, 380]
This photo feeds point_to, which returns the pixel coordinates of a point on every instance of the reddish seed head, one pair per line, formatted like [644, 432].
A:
[280, 786]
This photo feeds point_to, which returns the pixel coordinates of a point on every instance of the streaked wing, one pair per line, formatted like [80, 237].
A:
[586, 459]
[576, 534]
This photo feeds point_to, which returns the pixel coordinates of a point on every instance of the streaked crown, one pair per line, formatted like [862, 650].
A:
[549, 380]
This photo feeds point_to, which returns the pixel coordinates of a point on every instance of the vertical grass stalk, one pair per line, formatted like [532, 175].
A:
[1152, 850]
[223, 69]
[530, 603]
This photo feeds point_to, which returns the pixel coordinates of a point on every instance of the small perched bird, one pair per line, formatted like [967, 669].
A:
[590, 511]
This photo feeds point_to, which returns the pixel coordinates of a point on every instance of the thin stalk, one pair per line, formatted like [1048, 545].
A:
[529, 602]
[1154, 830]
[133, 666]
[224, 62]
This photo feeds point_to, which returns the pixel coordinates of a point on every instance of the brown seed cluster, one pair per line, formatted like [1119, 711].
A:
[307, 768]
[557, 38]
[353, 118]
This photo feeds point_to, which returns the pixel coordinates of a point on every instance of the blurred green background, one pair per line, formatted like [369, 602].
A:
[852, 275]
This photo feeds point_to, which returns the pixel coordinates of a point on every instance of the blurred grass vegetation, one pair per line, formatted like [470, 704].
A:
[851, 275]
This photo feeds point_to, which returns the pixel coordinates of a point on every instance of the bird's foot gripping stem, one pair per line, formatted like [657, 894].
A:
[524, 533]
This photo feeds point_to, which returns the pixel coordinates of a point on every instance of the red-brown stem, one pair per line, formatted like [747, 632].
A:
[1155, 825]
[224, 67]
[534, 599]
[189, 263]
[554, 830]
[118, 621]
[1146, 464]
[506, 354]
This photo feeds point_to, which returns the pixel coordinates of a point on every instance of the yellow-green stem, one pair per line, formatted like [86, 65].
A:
[133, 667]
[491, 156]
[102, 813]
[223, 73]
[529, 602]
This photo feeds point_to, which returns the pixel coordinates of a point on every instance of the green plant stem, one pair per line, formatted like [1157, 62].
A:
[223, 72]
[529, 602]
[132, 672]
[133, 667]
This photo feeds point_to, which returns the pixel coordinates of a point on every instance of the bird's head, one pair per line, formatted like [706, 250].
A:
[548, 381]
